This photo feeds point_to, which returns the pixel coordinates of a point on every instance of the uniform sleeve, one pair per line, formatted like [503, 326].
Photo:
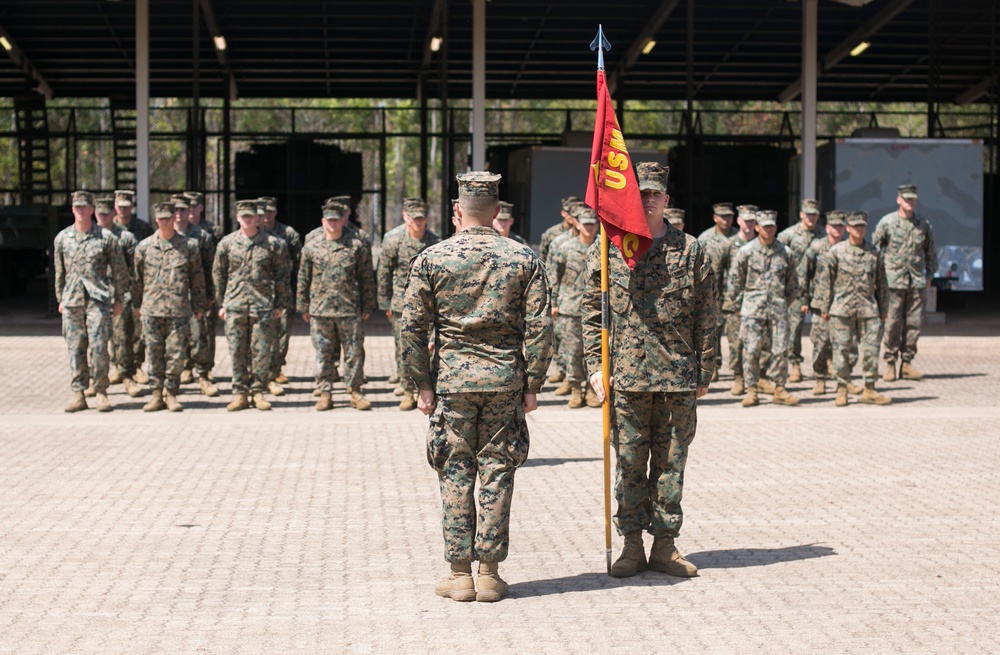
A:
[387, 261]
[282, 263]
[737, 281]
[139, 283]
[806, 273]
[590, 311]
[537, 328]
[366, 280]
[305, 282]
[206, 251]
[220, 272]
[791, 280]
[881, 235]
[824, 283]
[418, 308]
[706, 316]
[554, 268]
[930, 253]
[881, 287]
[196, 278]
[60, 266]
[119, 272]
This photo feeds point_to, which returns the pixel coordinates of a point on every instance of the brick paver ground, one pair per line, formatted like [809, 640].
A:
[816, 528]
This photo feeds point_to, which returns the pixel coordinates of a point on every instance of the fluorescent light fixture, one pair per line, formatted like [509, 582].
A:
[436, 43]
[6, 44]
[648, 48]
[858, 49]
[220, 42]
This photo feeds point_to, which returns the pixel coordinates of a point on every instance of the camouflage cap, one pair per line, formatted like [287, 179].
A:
[908, 191]
[568, 201]
[723, 209]
[809, 206]
[82, 199]
[585, 215]
[748, 212]
[165, 210]
[835, 217]
[195, 197]
[180, 202]
[767, 217]
[673, 215]
[104, 205]
[857, 218]
[124, 197]
[506, 211]
[479, 183]
[245, 207]
[652, 175]
[270, 203]
[334, 210]
[415, 207]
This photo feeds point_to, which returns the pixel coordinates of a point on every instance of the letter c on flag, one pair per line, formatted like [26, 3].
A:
[629, 243]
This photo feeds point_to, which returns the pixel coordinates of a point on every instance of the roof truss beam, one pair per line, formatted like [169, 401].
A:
[21, 61]
[635, 50]
[208, 14]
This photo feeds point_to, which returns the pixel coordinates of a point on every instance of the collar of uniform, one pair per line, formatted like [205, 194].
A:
[480, 229]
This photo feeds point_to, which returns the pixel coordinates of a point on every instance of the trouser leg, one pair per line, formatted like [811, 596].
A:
[674, 421]
[74, 329]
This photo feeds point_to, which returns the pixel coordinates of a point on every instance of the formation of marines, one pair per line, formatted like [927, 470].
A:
[473, 319]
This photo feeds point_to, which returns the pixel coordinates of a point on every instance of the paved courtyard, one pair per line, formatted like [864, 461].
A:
[816, 528]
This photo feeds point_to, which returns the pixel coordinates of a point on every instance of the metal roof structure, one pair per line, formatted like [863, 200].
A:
[921, 50]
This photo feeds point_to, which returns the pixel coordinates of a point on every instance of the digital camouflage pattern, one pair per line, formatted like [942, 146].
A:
[548, 236]
[797, 238]
[282, 324]
[169, 280]
[854, 293]
[731, 317]
[167, 339]
[716, 245]
[122, 344]
[763, 283]
[487, 299]
[201, 354]
[568, 280]
[812, 269]
[336, 283]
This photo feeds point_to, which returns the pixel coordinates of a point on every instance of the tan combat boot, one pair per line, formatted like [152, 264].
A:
[115, 377]
[399, 390]
[491, 587]
[140, 376]
[820, 387]
[132, 388]
[795, 374]
[155, 403]
[765, 386]
[207, 388]
[853, 389]
[275, 389]
[907, 372]
[90, 391]
[841, 400]
[665, 558]
[782, 397]
[564, 389]
[187, 377]
[77, 403]
[103, 404]
[170, 400]
[324, 403]
[889, 374]
[260, 402]
[590, 397]
[576, 397]
[358, 400]
[557, 377]
[751, 398]
[633, 557]
[239, 402]
[407, 402]
[457, 585]
[739, 386]
[282, 378]
[872, 397]
[393, 379]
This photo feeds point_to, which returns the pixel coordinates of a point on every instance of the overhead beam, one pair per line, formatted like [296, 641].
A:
[974, 93]
[433, 29]
[843, 49]
[208, 13]
[634, 51]
[21, 61]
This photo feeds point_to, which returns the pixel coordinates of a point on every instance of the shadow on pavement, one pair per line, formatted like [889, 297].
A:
[590, 582]
[556, 461]
[952, 376]
[742, 557]
[896, 400]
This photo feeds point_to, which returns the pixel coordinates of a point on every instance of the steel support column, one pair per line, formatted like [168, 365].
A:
[142, 109]
[807, 181]
[478, 85]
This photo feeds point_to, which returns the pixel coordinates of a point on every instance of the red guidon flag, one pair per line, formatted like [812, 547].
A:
[612, 190]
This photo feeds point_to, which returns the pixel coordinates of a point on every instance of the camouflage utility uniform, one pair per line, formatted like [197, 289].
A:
[126, 327]
[797, 239]
[568, 279]
[122, 346]
[202, 330]
[716, 245]
[282, 325]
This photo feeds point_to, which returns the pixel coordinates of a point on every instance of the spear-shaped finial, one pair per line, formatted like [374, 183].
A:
[600, 44]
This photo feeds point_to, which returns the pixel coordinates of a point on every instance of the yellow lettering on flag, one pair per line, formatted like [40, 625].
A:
[617, 140]
[629, 244]
[617, 160]
[596, 168]
[614, 179]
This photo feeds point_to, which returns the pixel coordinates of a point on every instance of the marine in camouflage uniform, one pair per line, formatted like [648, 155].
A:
[120, 348]
[486, 300]
[210, 319]
[399, 247]
[565, 388]
[568, 280]
[747, 219]
[762, 283]
[797, 238]
[674, 216]
[336, 293]
[907, 244]
[544, 248]
[251, 289]
[282, 326]
[663, 317]
[716, 241]
[169, 291]
[853, 297]
[90, 283]
[504, 221]
[126, 327]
